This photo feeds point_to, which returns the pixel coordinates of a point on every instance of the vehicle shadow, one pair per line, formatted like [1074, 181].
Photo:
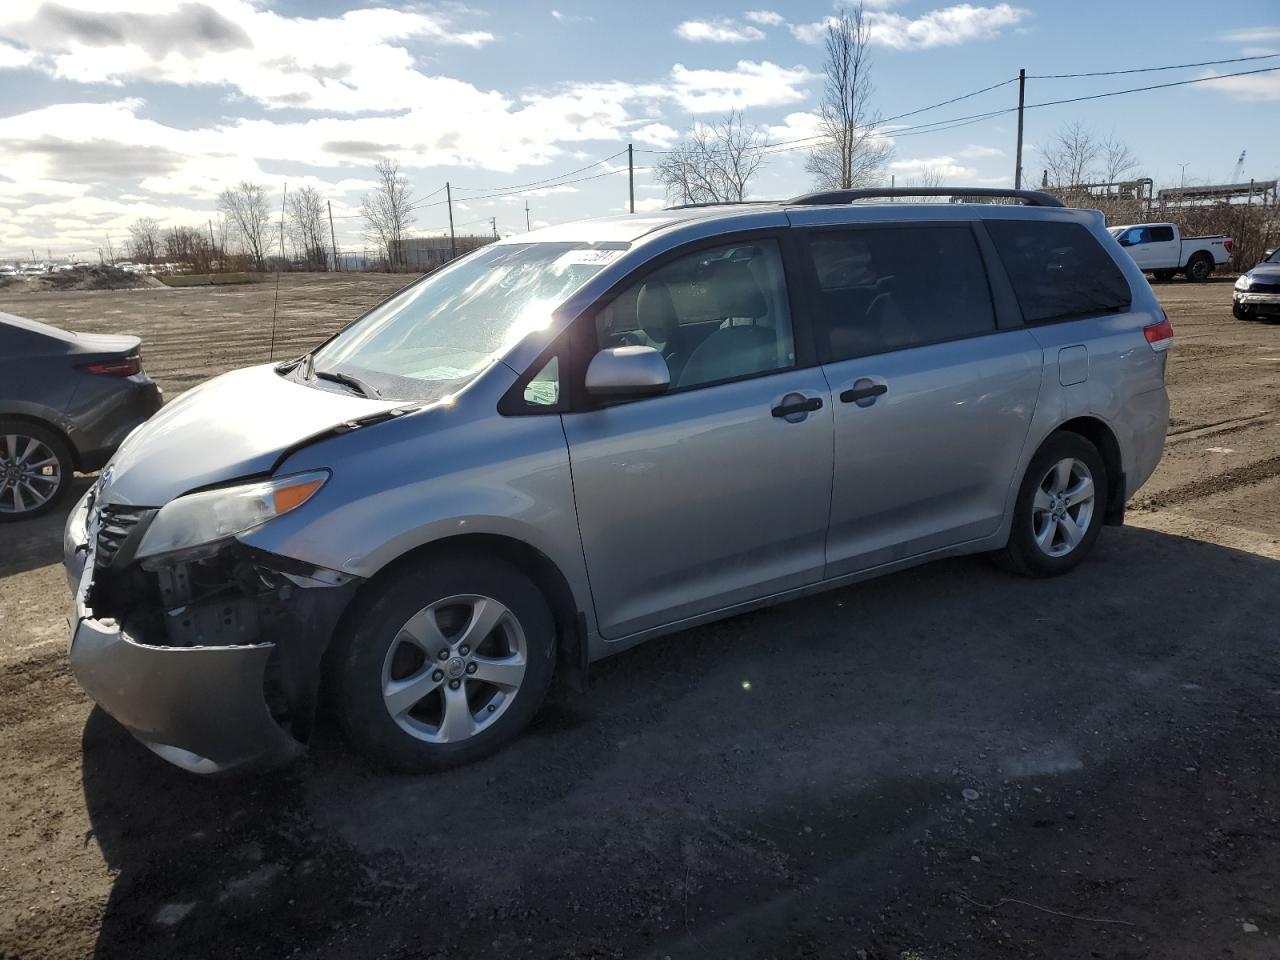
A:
[681, 796]
[30, 544]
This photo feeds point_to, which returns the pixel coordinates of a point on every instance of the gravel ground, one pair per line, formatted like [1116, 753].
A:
[946, 763]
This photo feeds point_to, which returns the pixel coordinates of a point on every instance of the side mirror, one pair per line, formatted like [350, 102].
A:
[627, 372]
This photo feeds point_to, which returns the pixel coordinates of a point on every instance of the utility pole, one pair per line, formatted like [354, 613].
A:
[213, 247]
[333, 242]
[631, 176]
[493, 225]
[283, 198]
[1022, 98]
[453, 241]
[526, 216]
[1182, 178]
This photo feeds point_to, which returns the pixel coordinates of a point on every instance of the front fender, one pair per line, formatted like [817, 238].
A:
[443, 472]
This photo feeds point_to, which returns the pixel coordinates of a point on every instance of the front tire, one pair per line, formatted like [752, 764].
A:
[1240, 313]
[445, 662]
[36, 469]
[1059, 510]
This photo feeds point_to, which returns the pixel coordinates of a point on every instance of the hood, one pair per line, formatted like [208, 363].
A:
[1265, 272]
[233, 426]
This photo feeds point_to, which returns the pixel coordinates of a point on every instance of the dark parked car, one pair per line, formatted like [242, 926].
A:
[67, 400]
[1257, 292]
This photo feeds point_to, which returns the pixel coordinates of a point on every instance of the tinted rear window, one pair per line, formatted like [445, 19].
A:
[1058, 270]
[872, 296]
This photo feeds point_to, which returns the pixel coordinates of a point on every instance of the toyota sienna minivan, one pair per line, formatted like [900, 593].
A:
[570, 441]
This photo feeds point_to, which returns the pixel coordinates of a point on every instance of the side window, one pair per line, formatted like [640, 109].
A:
[1058, 270]
[544, 389]
[720, 313]
[1160, 234]
[888, 288]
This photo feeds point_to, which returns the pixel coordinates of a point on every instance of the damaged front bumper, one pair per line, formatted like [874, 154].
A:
[210, 675]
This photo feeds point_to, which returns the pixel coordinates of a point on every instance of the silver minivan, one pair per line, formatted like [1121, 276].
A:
[573, 440]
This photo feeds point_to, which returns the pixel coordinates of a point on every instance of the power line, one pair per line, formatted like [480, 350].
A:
[547, 180]
[1176, 66]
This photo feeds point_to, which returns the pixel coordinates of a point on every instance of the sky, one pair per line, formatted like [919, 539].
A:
[148, 108]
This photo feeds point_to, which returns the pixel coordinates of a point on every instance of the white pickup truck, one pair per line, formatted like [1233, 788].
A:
[1161, 250]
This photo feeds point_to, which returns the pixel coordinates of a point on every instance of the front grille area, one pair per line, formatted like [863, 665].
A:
[1264, 288]
[115, 523]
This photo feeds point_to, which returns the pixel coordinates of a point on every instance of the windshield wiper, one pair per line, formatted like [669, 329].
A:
[355, 383]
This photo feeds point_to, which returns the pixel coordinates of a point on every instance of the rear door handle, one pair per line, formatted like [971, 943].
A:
[854, 394]
[789, 407]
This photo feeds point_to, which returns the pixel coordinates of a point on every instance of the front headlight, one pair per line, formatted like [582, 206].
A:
[200, 518]
[1244, 282]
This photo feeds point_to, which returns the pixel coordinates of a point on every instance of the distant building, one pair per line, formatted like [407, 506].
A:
[427, 253]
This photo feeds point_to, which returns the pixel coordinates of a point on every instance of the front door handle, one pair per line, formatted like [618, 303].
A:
[855, 394]
[796, 403]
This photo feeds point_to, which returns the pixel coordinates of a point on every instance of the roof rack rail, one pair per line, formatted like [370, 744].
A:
[1032, 198]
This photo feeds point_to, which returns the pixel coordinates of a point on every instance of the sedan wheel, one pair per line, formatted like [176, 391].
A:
[1062, 508]
[454, 668]
[32, 474]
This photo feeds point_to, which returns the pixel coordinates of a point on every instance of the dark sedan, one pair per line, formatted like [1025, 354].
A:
[67, 400]
[1257, 292]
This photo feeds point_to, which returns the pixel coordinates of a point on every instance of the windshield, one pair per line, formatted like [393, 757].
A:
[1273, 256]
[434, 337]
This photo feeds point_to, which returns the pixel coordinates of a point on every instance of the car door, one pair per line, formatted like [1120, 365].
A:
[933, 399]
[716, 492]
[1162, 249]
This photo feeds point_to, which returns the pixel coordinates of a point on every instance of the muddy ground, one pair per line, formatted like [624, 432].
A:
[946, 763]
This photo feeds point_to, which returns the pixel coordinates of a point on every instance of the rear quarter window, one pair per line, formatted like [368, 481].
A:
[1059, 271]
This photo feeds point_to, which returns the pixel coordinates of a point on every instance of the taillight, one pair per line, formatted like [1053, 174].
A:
[120, 367]
[1227, 245]
[1159, 335]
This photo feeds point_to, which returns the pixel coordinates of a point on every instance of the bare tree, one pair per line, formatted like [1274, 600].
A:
[851, 152]
[188, 246]
[1118, 161]
[388, 211]
[246, 210]
[306, 226]
[714, 163]
[144, 238]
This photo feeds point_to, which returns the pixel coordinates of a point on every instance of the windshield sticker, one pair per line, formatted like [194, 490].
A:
[588, 258]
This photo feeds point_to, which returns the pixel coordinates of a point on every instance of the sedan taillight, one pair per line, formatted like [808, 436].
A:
[119, 367]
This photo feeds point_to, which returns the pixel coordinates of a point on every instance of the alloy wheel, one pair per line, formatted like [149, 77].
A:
[1063, 507]
[30, 474]
[454, 668]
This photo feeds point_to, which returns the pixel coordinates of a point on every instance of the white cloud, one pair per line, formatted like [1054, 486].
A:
[948, 26]
[976, 152]
[350, 63]
[1251, 35]
[656, 135]
[717, 31]
[944, 166]
[1259, 86]
[648, 205]
[11, 56]
[765, 18]
[749, 84]
[571, 17]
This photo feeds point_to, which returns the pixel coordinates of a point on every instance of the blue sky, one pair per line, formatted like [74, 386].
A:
[148, 109]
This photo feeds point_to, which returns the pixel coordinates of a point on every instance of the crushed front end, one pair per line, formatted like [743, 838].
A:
[211, 657]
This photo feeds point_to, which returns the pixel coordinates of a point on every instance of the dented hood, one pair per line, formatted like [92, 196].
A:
[233, 426]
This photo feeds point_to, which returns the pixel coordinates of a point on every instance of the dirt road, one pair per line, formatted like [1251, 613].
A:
[945, 763]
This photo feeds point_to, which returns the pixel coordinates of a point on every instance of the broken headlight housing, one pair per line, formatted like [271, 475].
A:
[212, 515]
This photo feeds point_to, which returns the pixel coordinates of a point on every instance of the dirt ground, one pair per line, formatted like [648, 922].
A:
[946, 763]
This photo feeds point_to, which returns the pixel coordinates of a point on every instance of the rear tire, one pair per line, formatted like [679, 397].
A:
[1060, 507]
[1199, 267]
[445, 662]
[36, 469]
